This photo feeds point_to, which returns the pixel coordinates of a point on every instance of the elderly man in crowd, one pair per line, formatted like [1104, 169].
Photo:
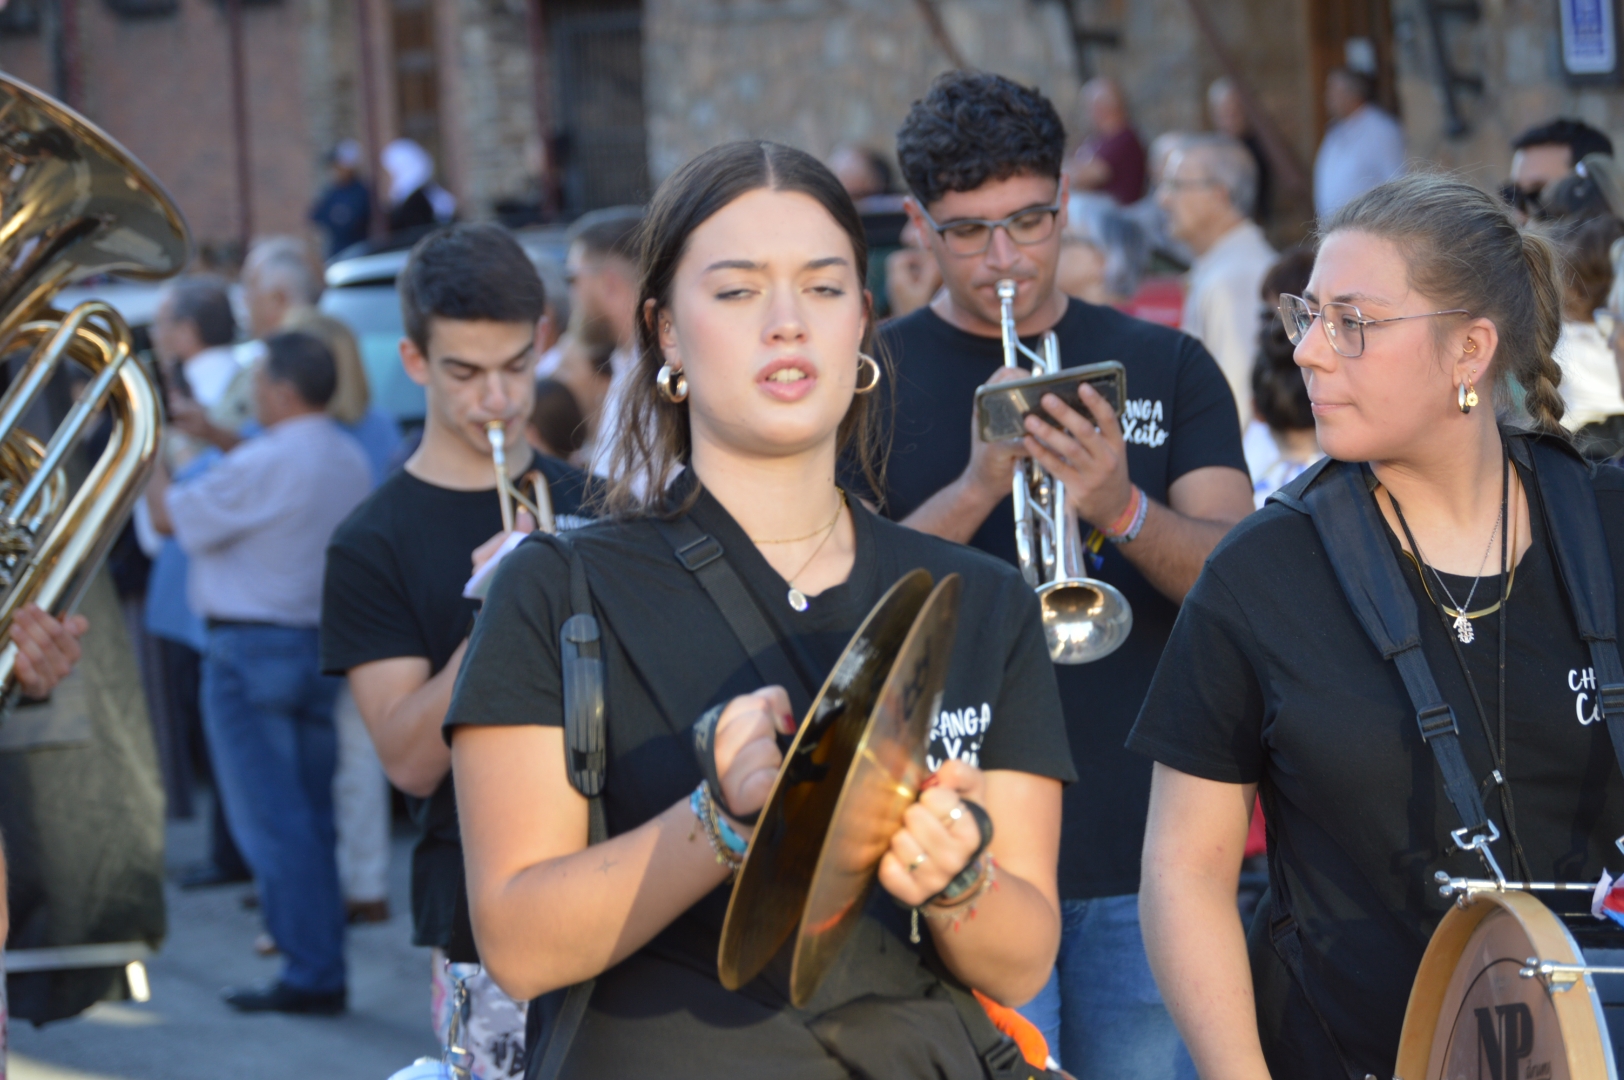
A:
[1209, 191]
[1363, 147]
[256, 526]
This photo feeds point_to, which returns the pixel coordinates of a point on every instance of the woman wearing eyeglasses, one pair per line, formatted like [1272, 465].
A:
[1426, 304]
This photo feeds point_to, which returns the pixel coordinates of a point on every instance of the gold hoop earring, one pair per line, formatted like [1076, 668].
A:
[865, 360]
[672, 384]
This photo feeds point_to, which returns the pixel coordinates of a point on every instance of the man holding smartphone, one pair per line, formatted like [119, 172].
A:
[982, 158]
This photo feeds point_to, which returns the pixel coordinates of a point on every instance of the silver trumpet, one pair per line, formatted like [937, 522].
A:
[1084, 618]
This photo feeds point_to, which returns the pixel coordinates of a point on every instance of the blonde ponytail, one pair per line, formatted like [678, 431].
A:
[1539, 374]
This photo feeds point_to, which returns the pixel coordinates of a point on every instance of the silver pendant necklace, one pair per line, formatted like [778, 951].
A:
[797, 599]
[1462, 624]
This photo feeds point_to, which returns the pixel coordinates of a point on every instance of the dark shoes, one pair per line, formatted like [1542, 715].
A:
[366, 911]
[279, 997]
[205, 875]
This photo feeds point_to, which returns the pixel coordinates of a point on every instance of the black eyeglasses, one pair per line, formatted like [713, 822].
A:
[1344, 323]
[972, 236]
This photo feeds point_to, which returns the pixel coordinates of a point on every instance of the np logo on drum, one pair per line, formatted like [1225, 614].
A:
[1505, 1038]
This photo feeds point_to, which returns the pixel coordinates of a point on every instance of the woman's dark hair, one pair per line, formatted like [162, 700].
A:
[556, 417]
[475, 273]
[1464, 251]
[1587, 251]
[655, 437]
[972, 127]
[302, 361]
[1279, 394]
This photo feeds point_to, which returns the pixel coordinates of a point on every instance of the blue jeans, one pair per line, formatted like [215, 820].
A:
[268, 711]
[1101, 1011]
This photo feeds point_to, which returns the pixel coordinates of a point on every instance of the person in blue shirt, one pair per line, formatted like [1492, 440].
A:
[344, 209]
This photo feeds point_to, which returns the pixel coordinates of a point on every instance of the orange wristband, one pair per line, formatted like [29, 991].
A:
[1125, 520]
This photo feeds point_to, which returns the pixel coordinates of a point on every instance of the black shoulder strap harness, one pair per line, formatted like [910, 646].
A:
[586, 758]
[1337, 496]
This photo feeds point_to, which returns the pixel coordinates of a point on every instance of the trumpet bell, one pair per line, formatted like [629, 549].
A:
[1083, 619]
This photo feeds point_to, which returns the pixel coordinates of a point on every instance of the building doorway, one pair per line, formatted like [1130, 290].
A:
[417, 76]
[601, 141]
[1356, 34]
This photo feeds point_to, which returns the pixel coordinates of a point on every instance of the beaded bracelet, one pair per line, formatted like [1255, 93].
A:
[726, 844]
[962, 909]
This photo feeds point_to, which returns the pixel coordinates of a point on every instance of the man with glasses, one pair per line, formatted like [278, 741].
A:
[982, 158]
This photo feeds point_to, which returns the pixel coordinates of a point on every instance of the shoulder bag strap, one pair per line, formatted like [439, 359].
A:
[1350, 527]
[586, 760]
[1586, 569]
[703, 556]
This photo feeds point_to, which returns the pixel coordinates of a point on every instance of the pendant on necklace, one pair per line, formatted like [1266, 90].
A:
[1463, 628]
[797, 600]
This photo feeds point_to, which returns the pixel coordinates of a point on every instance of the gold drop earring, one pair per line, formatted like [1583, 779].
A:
[1466, 395]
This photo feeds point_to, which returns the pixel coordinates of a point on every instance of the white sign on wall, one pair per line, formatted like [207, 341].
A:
[1589, 37]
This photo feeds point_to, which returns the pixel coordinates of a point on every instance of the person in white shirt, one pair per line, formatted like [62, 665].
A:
[1208, 191]
[256, 526]
[1591, 391]
[601, 268]
[1364, 146]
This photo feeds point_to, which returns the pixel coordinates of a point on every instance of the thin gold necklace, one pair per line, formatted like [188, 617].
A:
[1511, 578]
[840, 502]
[797, 599]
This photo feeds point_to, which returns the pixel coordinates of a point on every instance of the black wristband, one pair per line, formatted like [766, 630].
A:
[704, 740]
[966, 879]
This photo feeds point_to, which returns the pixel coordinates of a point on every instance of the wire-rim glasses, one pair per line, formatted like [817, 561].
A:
[972, 236]
[1344, 324]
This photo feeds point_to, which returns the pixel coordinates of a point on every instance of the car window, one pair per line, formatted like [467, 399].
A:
[372, 312]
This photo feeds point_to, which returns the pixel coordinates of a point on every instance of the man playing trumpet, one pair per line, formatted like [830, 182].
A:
[982, 156]
[394, 619]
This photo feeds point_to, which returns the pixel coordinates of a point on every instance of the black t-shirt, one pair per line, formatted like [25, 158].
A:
[393, 587]
[669, 656]
[1270, 679]
[1179, 416]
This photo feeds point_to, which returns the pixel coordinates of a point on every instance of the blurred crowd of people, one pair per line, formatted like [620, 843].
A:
[274, 442]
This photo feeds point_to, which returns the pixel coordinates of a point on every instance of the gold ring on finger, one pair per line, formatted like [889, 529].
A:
[918, 861]
[953, 815]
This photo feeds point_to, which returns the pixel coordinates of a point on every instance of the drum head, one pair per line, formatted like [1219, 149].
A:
[1472, 1015]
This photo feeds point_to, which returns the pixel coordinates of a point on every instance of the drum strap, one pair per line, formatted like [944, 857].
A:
[586, 761]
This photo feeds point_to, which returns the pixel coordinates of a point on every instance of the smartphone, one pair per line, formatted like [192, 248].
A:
[1002, 409]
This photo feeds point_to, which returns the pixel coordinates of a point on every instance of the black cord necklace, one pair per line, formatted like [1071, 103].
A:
[1497, 746]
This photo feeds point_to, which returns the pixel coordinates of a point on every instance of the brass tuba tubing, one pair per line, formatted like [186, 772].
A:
[73, 205]
[71, 430]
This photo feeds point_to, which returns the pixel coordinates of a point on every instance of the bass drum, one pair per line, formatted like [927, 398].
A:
[1473, 1015]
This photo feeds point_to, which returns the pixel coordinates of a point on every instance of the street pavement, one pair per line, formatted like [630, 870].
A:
[186, 1033]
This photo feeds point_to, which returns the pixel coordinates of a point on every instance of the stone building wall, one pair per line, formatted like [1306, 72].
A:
[817, 73]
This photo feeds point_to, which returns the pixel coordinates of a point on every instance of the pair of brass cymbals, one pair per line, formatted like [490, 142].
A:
[854, 767]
